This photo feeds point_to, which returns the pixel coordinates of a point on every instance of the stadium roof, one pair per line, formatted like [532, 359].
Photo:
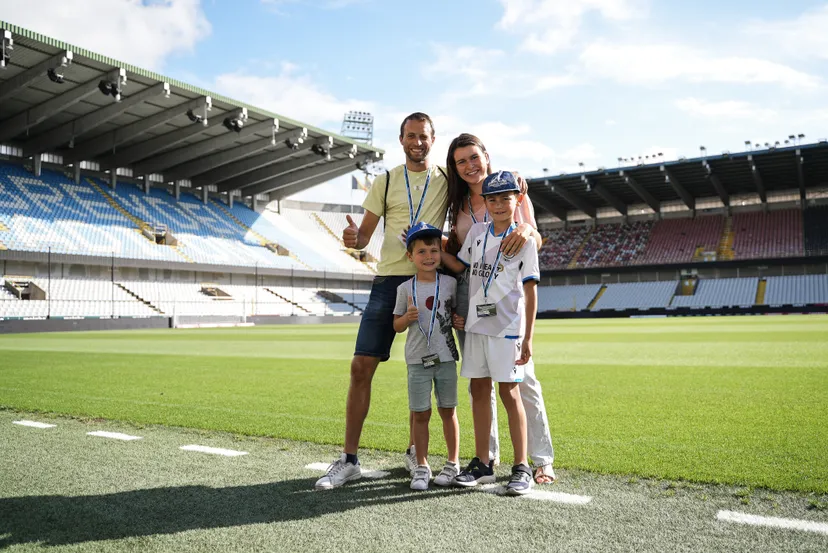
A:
[757, 172]
[58, 99]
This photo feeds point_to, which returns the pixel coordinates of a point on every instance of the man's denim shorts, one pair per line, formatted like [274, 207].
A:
[376, 330]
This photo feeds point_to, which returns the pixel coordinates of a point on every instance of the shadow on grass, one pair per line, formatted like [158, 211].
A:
[59, 520]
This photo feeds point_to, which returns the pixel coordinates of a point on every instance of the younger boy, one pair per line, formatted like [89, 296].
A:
[499, 328]
[424, 307]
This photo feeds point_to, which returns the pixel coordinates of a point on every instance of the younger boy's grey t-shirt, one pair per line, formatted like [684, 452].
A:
[442, 339]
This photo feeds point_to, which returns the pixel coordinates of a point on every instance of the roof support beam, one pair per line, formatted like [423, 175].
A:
[296, 177]
[158, 163]
[27, 77]
[757, 179]
[67, 132]
[554, 209]
[717, 184]
[206, 163]
[682, 192]
[608, 196]
[145, 149]
[264, 176]
[292, 189]
[641, 192]
[800, 176]
[572, 198]
[251, 163]
[25, 120]
[108, 141]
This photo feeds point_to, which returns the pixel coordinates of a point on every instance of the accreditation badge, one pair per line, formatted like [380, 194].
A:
[486, 310]
[430, 361]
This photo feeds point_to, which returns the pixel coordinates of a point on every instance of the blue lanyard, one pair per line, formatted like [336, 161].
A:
[487, 282]
[412, 216]
[434, 306]
[471, 212]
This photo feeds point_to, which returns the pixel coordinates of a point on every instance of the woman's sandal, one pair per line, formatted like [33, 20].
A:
[544, 474]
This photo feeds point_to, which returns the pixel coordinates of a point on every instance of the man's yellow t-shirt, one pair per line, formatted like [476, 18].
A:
[393, 260]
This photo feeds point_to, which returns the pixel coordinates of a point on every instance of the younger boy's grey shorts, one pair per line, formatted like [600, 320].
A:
[444, 378]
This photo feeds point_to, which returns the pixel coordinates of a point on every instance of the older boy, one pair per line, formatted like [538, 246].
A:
[499, 329]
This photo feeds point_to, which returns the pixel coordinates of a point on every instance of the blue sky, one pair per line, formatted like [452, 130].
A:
[544, 83]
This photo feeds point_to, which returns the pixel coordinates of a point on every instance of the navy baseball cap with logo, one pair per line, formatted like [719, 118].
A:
[500, 181]
[422, 230]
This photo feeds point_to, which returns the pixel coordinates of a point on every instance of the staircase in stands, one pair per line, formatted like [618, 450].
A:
[725, 250]
[293, 303]
[596, 298]
[760, 291]
[573, 263]
[141, 225]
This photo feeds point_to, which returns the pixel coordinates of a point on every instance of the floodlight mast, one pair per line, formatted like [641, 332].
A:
[359, 126]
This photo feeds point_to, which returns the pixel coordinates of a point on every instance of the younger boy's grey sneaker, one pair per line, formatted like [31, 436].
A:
[339, 473]
[474, 474]
[422, 474]
[410, 460]
[447, 475]
[521, 481]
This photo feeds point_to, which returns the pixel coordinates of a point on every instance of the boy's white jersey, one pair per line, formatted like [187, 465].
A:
[506, 288]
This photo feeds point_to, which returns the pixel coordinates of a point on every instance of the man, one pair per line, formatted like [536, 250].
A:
[414, 192]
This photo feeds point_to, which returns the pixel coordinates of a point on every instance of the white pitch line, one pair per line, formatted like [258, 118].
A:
[541, 495]
[114, 435]
[366, 473]
[213, 450]
[34, 424]
[773, 522]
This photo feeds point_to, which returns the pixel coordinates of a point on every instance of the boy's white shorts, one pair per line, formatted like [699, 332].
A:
[490, 357]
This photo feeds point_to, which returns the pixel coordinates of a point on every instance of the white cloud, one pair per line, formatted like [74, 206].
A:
[143, 33]
[291, 94]
[804, 36]
[553, 25]
[728, 109]
[645, 64]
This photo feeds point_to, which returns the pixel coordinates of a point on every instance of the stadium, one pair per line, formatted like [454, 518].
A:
[152, 217]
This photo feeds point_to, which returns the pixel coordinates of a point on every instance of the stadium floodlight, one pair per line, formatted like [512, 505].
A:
[757, 146]
[54, 73]
[323, 151]
[193, 117]
[791, 136]
[113, 87]
[6, 47]
[293, 143]
[703, 150]
[236, 123]
[800, 136]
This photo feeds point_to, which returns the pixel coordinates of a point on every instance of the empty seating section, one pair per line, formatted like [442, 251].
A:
[183, 299]
[614, 245]
[725, 292]
[51, 212]
[774, 234]
[636, 295]
[676, 240]
[797, 290]
[815, 224]
[312, 235]
[566, 298]
[559, 246]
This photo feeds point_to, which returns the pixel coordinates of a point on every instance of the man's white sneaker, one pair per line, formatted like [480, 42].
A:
[447, 475]
[339, 473]
[410, 460]
[422, 474]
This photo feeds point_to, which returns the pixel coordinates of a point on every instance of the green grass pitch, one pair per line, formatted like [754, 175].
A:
[738, 400]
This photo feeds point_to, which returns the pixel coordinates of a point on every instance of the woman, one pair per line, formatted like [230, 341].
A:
[468, 165]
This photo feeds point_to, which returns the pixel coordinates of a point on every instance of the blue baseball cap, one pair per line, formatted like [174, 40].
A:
[500, 181]
[422, 230]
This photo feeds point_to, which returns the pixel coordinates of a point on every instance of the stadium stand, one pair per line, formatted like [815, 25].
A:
[559, 246]
[614, 245]
[725, 292]
[815, 223]
[676, 240]
[797, 290]
[575, 297]
[636, 295]
[767, 235]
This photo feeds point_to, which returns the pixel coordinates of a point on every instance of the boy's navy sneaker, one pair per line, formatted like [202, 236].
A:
[476, 473]
[521, 481]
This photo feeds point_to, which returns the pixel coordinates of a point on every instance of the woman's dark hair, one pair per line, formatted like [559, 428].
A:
[458, 189]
